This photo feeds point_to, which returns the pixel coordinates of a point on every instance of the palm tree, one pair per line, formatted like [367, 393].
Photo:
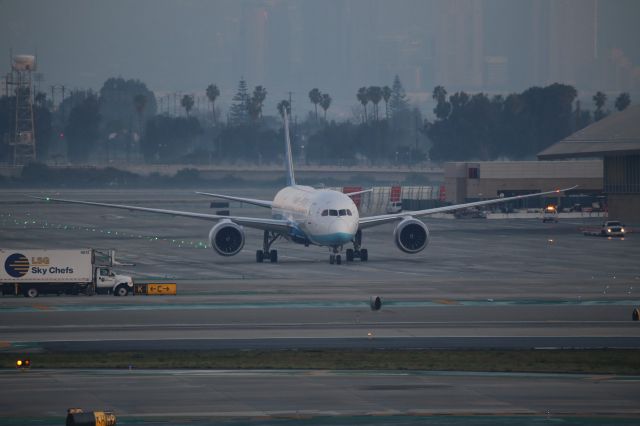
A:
[443, 108]
[187, 103]
[439, 94]
[315, 96]
[212, 94]
[622, 101]
[259, 95]
[599, 99]
[374, 93]
[325, 103]
[386, 95]
[363, 97]
[282, 105]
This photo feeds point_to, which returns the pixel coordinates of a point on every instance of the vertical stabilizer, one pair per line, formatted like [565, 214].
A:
[287, 151]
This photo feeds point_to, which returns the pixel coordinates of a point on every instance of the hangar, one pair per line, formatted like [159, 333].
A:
[616, 140]
[473, 181]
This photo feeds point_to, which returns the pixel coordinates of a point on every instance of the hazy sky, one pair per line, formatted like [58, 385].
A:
[336, 45]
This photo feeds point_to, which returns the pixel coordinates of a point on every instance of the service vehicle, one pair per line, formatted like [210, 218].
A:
[31, 272]
[550, 214]
[612, 228]
[471, 213]
[394, 207]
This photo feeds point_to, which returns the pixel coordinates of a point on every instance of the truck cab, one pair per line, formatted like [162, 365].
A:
[108, 281]
[612, 228]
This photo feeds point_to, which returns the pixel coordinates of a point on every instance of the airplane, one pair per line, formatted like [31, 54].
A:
[309, 216]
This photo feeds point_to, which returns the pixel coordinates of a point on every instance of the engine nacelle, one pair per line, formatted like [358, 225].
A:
[227, 238]
[411, 236]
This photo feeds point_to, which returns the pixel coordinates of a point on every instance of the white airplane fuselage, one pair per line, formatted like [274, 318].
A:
[322, 217]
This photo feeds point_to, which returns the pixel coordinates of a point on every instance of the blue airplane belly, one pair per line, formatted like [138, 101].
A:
[337, 238]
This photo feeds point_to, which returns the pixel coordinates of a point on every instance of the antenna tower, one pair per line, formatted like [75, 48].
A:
[21, 81]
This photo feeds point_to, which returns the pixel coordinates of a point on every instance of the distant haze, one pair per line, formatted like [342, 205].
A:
[335, 45]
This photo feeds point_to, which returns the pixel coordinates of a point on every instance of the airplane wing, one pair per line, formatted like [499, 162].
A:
[274, 225]
[358, 192]
[261, 203]
[368, 222]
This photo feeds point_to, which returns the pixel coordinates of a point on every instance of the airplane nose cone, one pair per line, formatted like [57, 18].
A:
[341, 231]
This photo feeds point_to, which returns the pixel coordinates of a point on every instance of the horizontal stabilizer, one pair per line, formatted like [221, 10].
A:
[261, 203]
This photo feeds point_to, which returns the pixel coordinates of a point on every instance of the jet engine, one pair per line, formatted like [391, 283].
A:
[411, 235]
[227, 238]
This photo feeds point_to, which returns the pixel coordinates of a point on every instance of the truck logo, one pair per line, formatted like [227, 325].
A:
[16, 265]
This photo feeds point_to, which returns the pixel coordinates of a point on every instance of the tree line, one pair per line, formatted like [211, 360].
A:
[121, 123]
[515, 126]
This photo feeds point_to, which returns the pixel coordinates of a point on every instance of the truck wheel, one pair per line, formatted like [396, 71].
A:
[31, 292]
[121, 290]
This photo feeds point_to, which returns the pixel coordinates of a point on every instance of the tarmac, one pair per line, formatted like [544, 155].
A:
[479, 284]
[304, 397]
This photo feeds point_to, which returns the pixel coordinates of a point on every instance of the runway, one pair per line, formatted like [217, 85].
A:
[317, 397]
[52, 325]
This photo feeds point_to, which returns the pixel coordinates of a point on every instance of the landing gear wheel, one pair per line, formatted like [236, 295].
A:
[364, 255]
[31, 292]
[121, 291]
[338, 259]
[349, 255]
[266, 253]
[332, 259]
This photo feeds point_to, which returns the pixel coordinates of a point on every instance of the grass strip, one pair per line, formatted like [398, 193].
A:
[600, 361]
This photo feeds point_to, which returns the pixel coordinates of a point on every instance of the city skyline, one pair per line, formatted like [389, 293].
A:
[496, 46]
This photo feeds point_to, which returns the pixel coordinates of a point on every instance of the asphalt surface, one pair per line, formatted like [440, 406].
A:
[318, 397]
[497, 283]
[479, 284]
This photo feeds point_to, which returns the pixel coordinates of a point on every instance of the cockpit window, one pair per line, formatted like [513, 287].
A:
[348, 212]
[325, 212]
[342, 212]
[333, 212]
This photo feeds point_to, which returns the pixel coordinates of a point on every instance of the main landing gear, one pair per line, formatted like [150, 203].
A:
[357, 252]
[266, 253]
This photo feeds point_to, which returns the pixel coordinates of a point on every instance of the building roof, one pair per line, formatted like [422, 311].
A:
[527, 169]
[618, 133]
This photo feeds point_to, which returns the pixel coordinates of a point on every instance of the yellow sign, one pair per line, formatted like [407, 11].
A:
[162, 289]
[156, 289]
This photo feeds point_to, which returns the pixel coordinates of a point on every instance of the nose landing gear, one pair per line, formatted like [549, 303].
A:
[335, 256]
[357, 251]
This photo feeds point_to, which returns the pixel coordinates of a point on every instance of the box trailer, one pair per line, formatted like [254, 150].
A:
[31, 272]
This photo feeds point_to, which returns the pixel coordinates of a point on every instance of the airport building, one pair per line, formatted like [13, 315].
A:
[474, 181]
[616, 140]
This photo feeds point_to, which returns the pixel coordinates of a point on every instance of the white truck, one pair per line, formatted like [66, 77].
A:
[31, 272]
